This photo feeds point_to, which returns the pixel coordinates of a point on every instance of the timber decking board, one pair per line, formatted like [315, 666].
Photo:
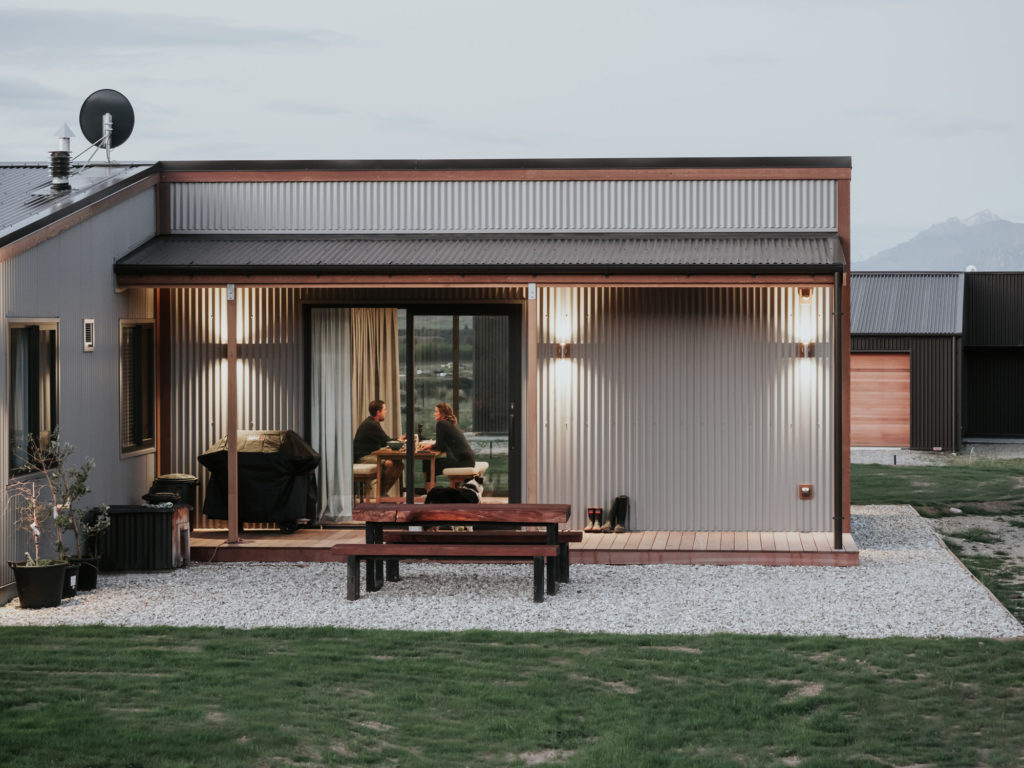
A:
[633, 547]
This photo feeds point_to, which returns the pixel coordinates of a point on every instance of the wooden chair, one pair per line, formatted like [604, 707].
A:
[363, 476]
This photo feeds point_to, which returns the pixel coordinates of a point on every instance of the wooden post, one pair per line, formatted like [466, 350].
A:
[530, 412]
[232, 413]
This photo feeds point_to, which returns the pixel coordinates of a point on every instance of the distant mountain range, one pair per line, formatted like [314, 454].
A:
[983, 241]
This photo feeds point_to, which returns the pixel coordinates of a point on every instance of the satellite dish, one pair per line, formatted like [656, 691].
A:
[91, 118]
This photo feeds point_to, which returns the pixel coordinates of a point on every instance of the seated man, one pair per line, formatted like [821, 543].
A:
[369, 437]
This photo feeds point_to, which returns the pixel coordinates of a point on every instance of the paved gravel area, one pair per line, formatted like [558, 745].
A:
[907, 584]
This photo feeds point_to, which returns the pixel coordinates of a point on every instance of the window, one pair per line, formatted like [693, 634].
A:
[33, 389]
[137, 363]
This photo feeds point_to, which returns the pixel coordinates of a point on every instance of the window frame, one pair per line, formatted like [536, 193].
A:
[144, 444]
[47, 324]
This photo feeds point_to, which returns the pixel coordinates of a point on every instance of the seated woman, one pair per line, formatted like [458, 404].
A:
[448, 439]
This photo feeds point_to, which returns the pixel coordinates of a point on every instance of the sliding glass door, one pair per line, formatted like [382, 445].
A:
[470, 361]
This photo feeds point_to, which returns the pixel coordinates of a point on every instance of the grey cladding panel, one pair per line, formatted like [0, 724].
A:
[504, 206]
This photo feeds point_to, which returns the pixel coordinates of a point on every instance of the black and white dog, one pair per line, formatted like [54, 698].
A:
[469, 492]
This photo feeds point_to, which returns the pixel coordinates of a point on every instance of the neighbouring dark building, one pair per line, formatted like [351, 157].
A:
[906, 359]
[993, 380]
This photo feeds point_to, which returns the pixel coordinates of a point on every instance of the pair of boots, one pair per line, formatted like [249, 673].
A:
[615, 521]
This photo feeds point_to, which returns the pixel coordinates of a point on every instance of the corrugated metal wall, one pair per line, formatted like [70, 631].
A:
[689, 401]
[504, 206]
[271, 379]
[994, 309]
[994, 392]
[935, 364]
[993, 354]
[68, 278]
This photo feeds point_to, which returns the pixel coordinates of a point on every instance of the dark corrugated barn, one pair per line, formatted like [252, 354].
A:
[906, 345]
[994, 355]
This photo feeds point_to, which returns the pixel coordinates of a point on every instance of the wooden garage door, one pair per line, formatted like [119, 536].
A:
[880, 400]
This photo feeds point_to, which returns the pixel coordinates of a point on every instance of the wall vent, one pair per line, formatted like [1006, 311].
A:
[88, 334]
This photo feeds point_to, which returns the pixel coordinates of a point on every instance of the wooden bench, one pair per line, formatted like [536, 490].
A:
[485, 518]
[354, 553]
[489, 537]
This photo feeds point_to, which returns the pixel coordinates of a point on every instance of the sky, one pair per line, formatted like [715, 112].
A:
[924, 95]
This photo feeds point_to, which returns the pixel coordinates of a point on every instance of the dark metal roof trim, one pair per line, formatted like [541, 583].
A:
[594, 163]
[486, 254]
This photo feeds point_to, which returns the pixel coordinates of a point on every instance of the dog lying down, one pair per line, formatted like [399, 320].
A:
[469, 492]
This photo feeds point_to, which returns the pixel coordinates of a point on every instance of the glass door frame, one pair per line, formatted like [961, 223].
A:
[512, 310]
[514, 313]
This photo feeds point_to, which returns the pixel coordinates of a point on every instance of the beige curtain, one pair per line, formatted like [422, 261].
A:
[375, 365]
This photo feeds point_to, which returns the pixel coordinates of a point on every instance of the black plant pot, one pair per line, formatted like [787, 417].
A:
[39, 586]
[88, 570]
[70, 580]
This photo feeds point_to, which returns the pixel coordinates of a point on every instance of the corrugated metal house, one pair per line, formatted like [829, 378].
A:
[670, 329]
[906, 334]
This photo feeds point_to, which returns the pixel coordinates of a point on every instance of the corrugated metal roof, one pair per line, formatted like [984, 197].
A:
[182, 254]
[25, 200]
[904, 303]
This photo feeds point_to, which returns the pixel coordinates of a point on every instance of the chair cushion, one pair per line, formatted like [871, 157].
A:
[477, 469]
[364, 470]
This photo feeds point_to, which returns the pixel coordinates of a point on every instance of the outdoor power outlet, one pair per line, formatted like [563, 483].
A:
[805, 491]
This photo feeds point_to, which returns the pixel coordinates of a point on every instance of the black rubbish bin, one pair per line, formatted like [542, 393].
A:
[144, 538]
[276, 478]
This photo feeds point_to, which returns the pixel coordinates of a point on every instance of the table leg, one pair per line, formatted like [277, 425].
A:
[376, 495]
[374, 535]
[552, 576]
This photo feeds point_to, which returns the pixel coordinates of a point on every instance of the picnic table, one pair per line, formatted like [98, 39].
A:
[487, 541]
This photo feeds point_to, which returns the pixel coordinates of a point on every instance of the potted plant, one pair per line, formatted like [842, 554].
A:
[40, 581]
[67, 485]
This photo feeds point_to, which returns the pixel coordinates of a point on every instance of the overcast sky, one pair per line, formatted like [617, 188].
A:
[925, 95]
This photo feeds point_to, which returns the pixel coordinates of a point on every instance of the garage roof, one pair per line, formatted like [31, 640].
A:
[907, 303]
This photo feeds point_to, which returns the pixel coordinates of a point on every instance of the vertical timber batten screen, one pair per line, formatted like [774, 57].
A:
[270, 379]
[690, 401]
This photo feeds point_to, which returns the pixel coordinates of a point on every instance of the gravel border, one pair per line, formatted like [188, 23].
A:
[907, 584]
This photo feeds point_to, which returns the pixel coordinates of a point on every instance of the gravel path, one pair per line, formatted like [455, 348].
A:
[907, 584]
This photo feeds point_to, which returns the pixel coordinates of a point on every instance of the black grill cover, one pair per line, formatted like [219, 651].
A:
[276, 477]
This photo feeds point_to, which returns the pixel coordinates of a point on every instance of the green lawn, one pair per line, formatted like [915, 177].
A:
[122, 698]
[107, 697]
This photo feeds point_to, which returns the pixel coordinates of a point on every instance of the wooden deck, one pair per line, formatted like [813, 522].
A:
[632, 548]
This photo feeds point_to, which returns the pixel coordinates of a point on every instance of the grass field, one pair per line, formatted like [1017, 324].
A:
[110, 697]
[127, 698]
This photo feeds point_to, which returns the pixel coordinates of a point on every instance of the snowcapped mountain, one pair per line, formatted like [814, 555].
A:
[983, 241]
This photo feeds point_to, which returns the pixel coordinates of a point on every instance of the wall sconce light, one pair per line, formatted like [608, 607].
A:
[562, 350]
[805, 295]
[805, 491]
[805, 349]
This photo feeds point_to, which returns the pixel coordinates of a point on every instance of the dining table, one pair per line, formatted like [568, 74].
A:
[421, 454]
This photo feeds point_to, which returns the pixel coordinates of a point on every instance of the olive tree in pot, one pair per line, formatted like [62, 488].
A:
[40, 581]
[67, 486]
